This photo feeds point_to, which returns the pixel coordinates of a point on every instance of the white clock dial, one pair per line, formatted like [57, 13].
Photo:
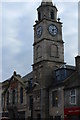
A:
[39, 31]
[52, 29]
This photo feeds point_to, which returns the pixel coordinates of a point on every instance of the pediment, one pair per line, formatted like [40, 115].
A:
[12, 83]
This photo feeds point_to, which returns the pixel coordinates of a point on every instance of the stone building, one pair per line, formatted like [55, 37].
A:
[71, 94]
[15, 102]
[64, 93]
[48, 55]
[43, 92]
[56, 91]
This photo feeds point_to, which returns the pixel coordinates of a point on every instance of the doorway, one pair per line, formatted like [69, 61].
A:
[39, 116]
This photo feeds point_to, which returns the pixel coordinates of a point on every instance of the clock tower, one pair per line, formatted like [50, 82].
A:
[48, 51]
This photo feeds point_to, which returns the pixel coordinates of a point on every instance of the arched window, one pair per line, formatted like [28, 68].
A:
[7, 98]
[13, 97]
[21, 95]
[38, 52]
[52, 14]
[54, 50]
[39, 16]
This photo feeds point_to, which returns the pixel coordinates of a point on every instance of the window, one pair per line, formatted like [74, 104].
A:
[54, 98]
[39, 16]
[13, 97]
[63, 74]
[38, 52]
[54, 50]
[30, 83]
[21, 95]
[30, 102]
[57, 75]
[73, 96]
[52, 14]
[7, 98]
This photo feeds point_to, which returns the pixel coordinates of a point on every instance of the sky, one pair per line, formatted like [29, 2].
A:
[17, 18]
[78, 28]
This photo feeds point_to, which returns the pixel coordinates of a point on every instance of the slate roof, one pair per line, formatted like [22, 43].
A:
[72, 81]
[28, 76]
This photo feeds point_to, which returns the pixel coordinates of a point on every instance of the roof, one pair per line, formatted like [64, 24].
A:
[28, 76]
[72, 81]
[66, 67]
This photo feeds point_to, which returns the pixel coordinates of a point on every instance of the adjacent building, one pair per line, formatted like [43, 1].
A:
[71, 94]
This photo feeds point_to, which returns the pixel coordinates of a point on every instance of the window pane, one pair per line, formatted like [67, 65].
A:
[30, 102]
[73, 96]
[73, 99]
[13, 96]
[54, 98]
[39, 16]
[72, 92]
[21, 95]
[7, 97]
[52, 14]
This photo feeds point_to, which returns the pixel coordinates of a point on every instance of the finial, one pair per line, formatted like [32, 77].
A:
[14, 73]
[58, 19]
[49, 2]
[46, 0]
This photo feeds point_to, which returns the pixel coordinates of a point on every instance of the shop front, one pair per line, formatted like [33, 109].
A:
[72, 113]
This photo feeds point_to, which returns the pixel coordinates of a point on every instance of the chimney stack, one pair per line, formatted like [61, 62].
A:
[77, 60]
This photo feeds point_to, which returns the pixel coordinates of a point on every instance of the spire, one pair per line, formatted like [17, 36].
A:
[46, 2]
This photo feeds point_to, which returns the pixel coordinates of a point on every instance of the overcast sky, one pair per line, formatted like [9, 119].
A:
[79, 28]
[18, 19]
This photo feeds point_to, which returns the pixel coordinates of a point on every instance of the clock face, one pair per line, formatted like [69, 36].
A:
[52, 29]
[39, 31]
